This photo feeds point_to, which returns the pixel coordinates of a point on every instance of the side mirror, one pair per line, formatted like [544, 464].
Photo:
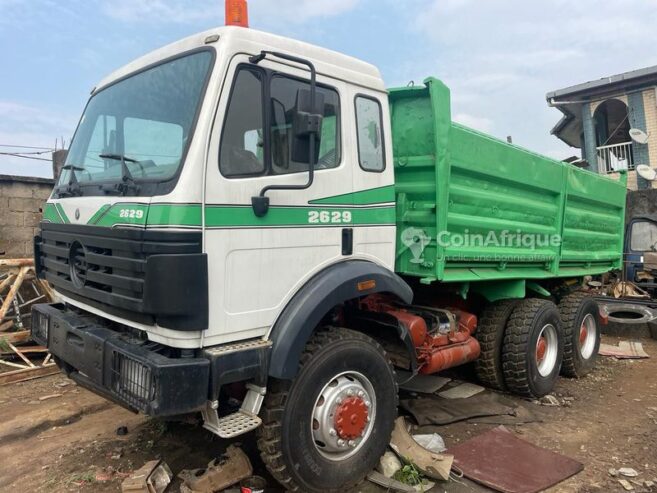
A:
[307, 127]
[306, 131]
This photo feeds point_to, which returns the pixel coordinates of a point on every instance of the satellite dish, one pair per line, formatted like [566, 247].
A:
[638, 136]
[646, 172]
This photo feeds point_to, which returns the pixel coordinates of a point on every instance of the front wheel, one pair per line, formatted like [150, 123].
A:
[324, 431]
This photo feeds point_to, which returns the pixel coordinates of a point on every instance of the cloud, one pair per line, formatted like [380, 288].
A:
[23, 124]
[302, 10]
[158, 11]
[476, 122]
[190, 11]
[500, 57]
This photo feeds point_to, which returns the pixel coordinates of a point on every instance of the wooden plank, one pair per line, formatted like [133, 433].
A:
[16, 262]
[6, 282]
[21, 355]
[13, 365]
[15, 337]
[6, 325]
[25, 350]
[27, 374]
[46, 288]
[12, 292]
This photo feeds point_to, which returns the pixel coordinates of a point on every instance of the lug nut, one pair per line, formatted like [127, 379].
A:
[352, 443]
[341, 443]
[368, 403]
[339, 400]
[350, 392]
[332, 432]
[361, 393]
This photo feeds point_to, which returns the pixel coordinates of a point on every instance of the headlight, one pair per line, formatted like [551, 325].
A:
[132, 380]
[40, 323]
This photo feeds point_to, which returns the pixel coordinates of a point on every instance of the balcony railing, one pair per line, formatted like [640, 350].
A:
[615, 157]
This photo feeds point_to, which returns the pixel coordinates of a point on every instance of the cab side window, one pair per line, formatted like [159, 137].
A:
[242, 140]
[251, 147]
[369, 125]
[284, 92]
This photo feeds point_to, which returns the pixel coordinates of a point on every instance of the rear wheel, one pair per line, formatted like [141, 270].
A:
[490, 334]
[327, 429]
[581, 325]
[533, 348]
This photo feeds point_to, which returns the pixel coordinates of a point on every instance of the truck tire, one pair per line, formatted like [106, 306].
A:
[490, 334]
[326, 429]
[580, 316]
[533, 348]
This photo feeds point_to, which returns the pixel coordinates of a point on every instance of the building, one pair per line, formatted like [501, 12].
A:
[598, 117]
[21, 207]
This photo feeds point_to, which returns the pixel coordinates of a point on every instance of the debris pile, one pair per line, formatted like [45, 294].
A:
[624, 350]
[220, 473]
[152, 477]
[19, 290]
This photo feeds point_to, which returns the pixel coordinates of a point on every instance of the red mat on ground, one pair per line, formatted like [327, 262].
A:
[500, 460]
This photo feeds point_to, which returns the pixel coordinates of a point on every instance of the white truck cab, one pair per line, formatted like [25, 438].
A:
[220, 197]
[193, 113]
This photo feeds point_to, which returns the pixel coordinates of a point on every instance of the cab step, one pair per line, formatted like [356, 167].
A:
[243, 421]
[235, 424]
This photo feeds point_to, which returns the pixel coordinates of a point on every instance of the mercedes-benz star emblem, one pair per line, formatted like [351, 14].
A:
[77, 264]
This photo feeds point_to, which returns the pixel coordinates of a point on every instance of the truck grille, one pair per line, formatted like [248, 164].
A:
[105, 266]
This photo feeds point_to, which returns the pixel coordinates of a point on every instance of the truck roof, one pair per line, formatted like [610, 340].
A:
[252, 41]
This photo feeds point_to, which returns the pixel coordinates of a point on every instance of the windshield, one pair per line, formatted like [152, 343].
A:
[145, 120]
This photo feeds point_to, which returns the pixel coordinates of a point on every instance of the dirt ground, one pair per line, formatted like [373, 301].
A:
[55, 436]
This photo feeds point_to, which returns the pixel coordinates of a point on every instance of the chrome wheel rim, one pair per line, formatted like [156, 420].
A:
[588, 333]
[547, 350]
[343, 416]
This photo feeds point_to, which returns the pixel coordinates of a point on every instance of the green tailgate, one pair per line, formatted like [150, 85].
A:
[473, 208]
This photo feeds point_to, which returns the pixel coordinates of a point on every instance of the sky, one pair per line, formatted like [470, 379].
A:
[499, 57]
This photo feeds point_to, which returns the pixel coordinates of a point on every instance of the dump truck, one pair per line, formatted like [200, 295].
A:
[248, 218]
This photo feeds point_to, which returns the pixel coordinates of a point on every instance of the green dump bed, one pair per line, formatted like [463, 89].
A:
[462, 194]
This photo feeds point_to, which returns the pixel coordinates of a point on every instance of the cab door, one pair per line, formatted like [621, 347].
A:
[257, 263]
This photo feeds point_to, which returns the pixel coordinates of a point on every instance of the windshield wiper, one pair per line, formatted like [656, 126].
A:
[73, 188]
[127, 180]
[118, 157]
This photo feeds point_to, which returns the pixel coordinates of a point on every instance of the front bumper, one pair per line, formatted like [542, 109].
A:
[125, 370]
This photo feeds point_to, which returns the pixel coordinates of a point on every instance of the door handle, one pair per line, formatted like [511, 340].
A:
[347, 241]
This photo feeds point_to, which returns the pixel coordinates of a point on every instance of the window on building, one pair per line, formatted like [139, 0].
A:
[369, 124]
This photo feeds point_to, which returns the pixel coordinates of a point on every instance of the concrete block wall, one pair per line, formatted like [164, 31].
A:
[641, 203]
[632, 179]
[21, 208]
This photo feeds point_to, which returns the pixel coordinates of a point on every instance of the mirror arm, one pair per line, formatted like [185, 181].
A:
[260, 203]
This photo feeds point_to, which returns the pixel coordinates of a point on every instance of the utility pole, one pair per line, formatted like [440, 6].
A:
[58, 160]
